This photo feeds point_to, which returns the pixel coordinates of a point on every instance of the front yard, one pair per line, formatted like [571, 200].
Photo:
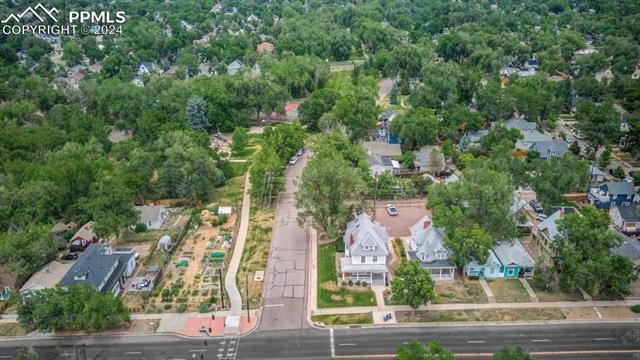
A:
[555, 295]
[330, 294]
[459, 290]
[343, 319]
[480, 315]
[508, 290]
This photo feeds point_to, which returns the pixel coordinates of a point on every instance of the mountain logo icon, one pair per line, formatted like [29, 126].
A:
[35, 12]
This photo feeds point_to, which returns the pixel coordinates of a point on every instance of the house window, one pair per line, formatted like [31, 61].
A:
[441, 255]
[510, 271]
[362, 259]
[375, 259]
[492, 271]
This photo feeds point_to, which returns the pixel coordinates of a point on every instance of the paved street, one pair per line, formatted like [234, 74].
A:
[600, 340]
[284, 306]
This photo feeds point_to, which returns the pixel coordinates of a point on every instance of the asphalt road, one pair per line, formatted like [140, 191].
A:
[543, 341]
[284, 296]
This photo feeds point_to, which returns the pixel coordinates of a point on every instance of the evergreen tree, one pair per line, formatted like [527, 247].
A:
[196, 113]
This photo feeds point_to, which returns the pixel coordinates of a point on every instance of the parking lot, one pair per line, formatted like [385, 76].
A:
[409, 212]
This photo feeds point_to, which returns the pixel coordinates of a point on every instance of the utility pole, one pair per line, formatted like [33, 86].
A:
[246, 281]
[221, 289]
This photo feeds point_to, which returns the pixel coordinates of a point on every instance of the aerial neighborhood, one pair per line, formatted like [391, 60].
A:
[316, 172]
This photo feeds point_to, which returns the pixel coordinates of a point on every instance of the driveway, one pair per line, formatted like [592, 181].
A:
[284, 303]
[409, 212]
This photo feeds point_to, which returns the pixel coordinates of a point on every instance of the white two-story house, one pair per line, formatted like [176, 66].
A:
[365, 251]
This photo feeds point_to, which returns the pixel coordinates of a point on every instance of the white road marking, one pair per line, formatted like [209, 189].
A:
[476, 342]
[132, 352]
[274, 305]
[333, 347]
[597, 312]
[198, 350]
[540, 340]
[351, 344]
[604, 339]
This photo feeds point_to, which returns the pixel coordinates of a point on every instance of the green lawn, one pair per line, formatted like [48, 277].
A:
[329, 293]
[344, 319]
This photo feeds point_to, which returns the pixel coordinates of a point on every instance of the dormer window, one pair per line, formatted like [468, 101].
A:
[441, 255]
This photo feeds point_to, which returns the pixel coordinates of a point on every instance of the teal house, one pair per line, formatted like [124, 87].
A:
[508, 259]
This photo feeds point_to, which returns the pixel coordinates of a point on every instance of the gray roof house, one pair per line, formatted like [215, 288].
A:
[381, 148]
[48, 277]
[427, 246]
[145, 67]
[548, 230]
[596, 174]
[382, 164]
[530, 137]
[507, 259]
[101, 267]
[365, 251]
[520, 124]
[630, 249]
[626, 218]
[152, 216]
[233, 68]
[549, 149]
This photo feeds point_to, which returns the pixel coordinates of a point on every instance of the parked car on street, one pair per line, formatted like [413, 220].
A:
[300, 152]
[70, 256]
[293, 160]
[392, 210]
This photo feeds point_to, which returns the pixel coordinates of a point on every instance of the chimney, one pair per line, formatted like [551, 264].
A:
[426, 224]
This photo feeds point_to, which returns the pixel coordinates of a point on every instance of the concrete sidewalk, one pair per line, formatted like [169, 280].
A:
[443, 307]
[230, 279]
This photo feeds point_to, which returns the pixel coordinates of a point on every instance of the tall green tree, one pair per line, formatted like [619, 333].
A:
[326, 186]
[417, 128]
[196, 114]
[110, 205]
[239, 139]
[507, 353]
[412, 284]
[586, 260]
[414, 350]
[78, 307]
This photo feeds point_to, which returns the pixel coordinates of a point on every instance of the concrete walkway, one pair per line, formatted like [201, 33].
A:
[443, 307]
[487, 291]
[232, 270]
[532, 294]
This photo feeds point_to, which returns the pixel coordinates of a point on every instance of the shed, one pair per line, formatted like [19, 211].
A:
[164, 242]
[224, 210]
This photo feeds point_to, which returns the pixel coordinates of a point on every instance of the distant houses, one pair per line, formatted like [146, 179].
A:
[382, 164]
[234, 67]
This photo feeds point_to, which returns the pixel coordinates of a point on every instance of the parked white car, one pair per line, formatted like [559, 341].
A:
[392, 210]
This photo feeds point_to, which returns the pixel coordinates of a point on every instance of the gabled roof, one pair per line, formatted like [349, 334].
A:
[47, 277]
[520, 124]
[235, 64]
[85, 232]
[362, 231]
[549, 224]
[513, 253]
[97, 266]
[149, 213]
[629, 248]
[630, 213]
[534, 136]
[593, 169]
[430, 241]
[549, 149]
[476, 136]
[620, 188]
[381, 148]
[374, 160]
